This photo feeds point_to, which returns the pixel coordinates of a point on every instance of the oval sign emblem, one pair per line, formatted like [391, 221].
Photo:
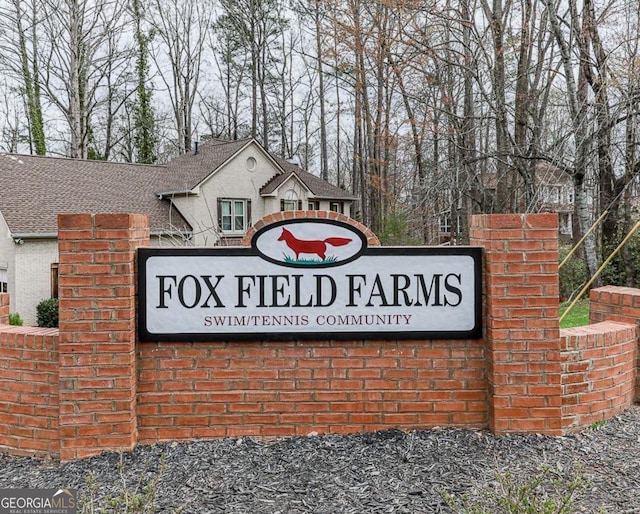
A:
[309, 243]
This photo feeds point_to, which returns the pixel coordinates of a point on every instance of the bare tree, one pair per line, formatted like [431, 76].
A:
[79, 37]
[19, 55]
[181, 27]
[576, 93]
[256, 26]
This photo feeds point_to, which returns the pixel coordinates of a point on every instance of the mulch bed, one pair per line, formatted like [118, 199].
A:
[383, 472]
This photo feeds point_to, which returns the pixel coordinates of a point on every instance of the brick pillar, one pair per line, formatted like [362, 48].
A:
[4, 308]
[522, 330]
[97, 331]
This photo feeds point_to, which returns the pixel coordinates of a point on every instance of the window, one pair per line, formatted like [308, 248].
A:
[569, 194]
[251, 163]
[314, 205]
[290, 201]
[336, 207]
[445, 223]
[289, 205]
[234, 215]
[566, 224]
[3, 280]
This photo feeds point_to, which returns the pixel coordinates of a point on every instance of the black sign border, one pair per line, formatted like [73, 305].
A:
[144, 253]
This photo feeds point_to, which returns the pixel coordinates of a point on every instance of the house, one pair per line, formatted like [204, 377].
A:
[554, 192]
[208, 197]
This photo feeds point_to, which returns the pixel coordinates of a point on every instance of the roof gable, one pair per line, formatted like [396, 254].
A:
[318, 187]
[189, 171]
[271, 188]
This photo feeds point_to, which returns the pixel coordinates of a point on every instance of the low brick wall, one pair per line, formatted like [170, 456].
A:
[620, 304]
[29, 391]
[598, 372]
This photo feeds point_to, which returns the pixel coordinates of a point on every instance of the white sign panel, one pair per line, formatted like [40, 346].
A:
[308, 278]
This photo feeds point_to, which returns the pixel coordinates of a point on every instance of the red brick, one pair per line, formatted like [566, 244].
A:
[75, 222]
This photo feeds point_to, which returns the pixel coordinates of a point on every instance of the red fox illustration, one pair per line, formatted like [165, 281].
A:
[316, 247]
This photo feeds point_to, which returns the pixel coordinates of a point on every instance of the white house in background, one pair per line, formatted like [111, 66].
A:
[205, 198]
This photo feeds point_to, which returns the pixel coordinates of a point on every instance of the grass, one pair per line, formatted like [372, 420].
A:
[579, 315]
[311, 262]
[548, 491]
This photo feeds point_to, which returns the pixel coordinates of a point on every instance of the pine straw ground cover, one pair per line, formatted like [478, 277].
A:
[442, 470]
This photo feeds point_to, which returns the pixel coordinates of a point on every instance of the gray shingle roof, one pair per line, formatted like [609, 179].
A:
[320, 188]
[34, 190]
[187, 171]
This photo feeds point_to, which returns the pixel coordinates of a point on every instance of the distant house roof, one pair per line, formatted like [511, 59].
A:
[34, 190]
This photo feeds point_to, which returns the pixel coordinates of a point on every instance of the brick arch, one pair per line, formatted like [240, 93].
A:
[372, 239]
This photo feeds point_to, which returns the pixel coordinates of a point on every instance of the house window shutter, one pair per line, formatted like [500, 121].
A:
[219, 207]
[299, 205]
[54, 280]
[249, 223]
[282, 205]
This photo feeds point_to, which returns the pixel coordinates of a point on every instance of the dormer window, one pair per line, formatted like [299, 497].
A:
[290, 202]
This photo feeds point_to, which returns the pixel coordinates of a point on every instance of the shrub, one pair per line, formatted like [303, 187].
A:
[548, 491]
[616, 273]
[573, 275]
[48, 313]
[15, 319]
[397, 231]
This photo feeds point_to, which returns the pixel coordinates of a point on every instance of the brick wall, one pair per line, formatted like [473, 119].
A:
[29, 391]
[614, 303]
[622, 304]
[598, 372]
[93, 388]
[279, 389]
[4, 308]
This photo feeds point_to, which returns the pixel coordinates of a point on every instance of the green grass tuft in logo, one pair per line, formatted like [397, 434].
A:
[310, 262]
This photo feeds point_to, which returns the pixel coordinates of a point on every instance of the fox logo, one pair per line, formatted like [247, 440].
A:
[315, 247]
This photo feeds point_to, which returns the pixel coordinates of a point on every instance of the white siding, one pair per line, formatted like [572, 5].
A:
[233, 180]
[7, 253]
[32, 282]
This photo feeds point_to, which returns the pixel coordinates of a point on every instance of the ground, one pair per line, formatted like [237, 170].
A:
[384, 472]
